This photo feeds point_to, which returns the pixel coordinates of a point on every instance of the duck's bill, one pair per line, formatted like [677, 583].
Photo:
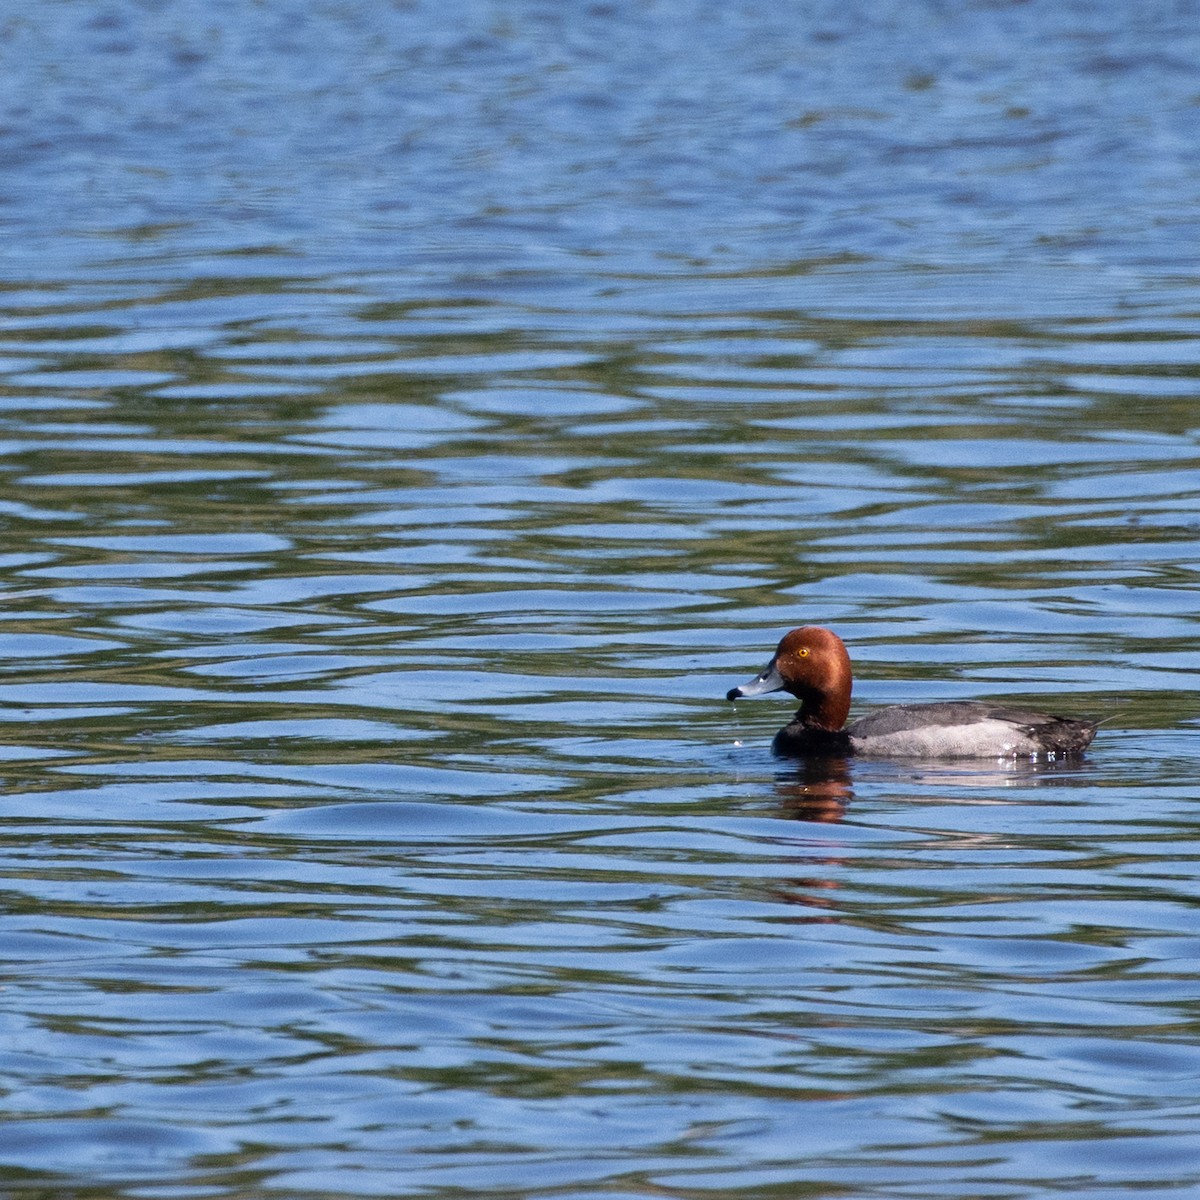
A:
[767, 680]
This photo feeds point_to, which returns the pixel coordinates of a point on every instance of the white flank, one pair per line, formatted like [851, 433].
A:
[979, 739]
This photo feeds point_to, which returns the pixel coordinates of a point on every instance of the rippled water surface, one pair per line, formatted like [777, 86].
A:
[415, 418]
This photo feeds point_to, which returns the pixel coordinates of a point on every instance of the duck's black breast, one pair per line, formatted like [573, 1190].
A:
[798, 740]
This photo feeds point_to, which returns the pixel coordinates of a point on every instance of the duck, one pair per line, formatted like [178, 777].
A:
[813, 664]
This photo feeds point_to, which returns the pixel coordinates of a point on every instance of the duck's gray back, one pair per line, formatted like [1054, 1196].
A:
[967, 728]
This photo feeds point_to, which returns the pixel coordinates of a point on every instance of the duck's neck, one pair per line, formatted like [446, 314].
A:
[826, 709]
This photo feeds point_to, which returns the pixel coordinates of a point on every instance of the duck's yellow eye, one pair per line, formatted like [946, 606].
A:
[804, 652]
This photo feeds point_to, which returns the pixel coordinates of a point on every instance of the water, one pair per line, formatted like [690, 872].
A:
[415, 420]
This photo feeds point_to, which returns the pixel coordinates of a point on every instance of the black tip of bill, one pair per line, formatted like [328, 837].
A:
[734, 694]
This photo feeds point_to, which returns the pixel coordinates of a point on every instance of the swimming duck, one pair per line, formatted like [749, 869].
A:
[813, 665]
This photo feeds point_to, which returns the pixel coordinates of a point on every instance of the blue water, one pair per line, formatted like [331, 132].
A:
[413, 420]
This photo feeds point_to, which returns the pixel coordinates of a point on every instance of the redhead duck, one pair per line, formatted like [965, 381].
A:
[813, 665]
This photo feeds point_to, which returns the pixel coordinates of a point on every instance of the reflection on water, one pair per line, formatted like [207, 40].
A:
[407, 429]
[817, 789]
[821, 789]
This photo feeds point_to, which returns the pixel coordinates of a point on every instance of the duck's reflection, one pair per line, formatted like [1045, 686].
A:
[821, 788]
[816, 789]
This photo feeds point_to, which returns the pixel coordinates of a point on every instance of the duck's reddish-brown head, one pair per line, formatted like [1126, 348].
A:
[813, 665]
